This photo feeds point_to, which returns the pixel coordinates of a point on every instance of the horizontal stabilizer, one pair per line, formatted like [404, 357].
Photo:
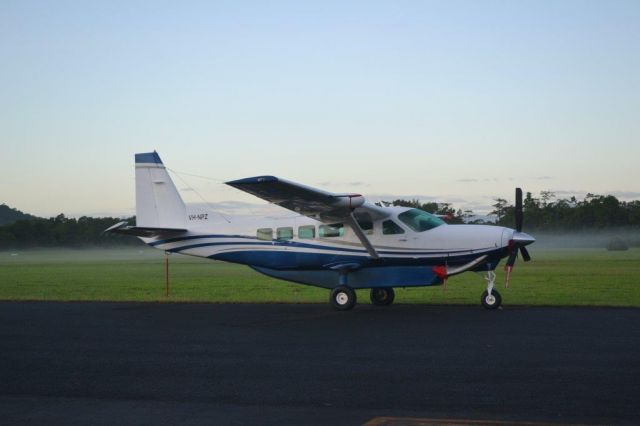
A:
[141, 231]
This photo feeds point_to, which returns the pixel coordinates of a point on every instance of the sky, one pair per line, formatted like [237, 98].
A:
[456, 101]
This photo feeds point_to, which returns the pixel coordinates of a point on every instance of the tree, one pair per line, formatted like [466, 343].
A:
[9, 215]
[546, 197]
[499, 208]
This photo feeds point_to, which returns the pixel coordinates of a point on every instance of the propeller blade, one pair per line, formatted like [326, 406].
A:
[512, 258]
[525, 254]
[518, 210]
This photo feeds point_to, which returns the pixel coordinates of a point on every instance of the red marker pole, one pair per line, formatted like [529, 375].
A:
[508, 269]
[166, 273]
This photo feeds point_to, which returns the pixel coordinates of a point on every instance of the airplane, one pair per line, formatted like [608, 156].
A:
[338, 241]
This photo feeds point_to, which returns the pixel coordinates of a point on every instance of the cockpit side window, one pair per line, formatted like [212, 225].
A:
[389, 227]
[419, 220]
[365, 221]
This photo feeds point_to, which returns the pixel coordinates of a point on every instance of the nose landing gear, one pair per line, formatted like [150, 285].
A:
[491, 299]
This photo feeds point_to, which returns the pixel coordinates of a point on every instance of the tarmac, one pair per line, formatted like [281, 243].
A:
[224, 364]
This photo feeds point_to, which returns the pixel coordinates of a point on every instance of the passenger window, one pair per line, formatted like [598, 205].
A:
[307, 232]
[333, 230]
[365, 222]
[285, 233]
[265, 234]
[389, 227]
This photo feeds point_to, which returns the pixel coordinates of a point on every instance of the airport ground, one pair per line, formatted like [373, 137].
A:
[565, 348]
[190, 363]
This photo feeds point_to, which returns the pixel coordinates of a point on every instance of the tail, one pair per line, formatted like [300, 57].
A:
[158, 203]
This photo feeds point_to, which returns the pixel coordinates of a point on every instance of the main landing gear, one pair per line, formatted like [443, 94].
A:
[490, 297]
[382, 296]
[344, 298]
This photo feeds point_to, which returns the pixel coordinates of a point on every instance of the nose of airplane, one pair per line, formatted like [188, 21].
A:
[522, 239]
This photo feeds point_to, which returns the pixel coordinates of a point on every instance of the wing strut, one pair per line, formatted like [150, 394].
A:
[351, 219]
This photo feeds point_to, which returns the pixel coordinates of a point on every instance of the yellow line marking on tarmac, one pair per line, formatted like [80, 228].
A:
[409, 421]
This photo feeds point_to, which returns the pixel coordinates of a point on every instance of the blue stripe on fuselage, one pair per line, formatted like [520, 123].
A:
[197, 237]
[287, 260]
[296, 244]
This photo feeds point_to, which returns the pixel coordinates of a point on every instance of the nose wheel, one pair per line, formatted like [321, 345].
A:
[491, 299]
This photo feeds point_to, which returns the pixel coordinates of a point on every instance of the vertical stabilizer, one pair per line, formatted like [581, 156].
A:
[158, 203]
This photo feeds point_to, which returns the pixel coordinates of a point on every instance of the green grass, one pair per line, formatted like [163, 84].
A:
[556, 277]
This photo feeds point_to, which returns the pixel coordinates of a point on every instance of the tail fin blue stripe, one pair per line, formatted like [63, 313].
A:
[148, 157]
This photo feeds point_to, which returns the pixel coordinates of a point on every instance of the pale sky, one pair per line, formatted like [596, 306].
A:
[457, 101]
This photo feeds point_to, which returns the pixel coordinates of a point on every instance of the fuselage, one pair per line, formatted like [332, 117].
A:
[300, 249]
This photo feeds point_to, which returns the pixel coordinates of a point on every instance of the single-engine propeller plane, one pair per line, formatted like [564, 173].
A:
[337, 241]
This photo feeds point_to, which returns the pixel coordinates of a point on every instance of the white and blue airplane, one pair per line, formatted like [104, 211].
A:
[337, 241]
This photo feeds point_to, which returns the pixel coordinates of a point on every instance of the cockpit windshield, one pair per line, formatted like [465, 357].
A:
[419, 220]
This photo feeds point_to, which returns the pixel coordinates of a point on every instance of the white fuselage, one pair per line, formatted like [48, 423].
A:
[213, 236]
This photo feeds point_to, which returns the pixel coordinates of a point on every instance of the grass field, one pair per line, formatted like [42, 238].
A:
[555, 277]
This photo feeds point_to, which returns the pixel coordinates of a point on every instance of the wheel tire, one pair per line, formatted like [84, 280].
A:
[491, 302]
[382, 296]
[342, 298]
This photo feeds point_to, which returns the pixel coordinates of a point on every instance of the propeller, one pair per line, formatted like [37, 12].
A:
[519, 240]
[518, 211]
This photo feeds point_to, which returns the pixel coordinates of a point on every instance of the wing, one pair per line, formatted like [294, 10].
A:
[321, 205]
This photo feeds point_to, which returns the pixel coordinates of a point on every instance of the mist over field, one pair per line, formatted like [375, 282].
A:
[585, 239]
[85, 254]
[133, 248]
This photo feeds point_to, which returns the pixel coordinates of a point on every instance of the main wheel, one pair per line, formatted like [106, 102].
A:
[342, 298]
[492, 301]
[382, 296]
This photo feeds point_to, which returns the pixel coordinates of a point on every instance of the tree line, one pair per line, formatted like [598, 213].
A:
[61, 231]
[9, 215]
[543, 213]
[548, 213]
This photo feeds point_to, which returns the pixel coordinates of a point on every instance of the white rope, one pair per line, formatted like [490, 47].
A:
[213, 210]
